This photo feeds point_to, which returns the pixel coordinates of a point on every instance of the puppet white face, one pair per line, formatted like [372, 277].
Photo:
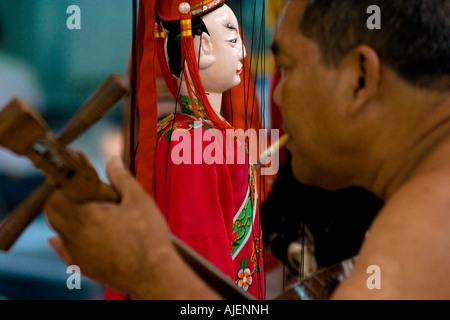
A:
[221, 52]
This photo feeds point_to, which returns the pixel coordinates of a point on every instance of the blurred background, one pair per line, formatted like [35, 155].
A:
[55, 69]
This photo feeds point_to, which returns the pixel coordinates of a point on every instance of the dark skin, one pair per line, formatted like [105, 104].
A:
[381, 133]
[95, 226]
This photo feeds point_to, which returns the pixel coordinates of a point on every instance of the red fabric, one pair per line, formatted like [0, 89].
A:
[162, 67]
[146, 94]
[146, 98]
[168, 10]
[200, 202]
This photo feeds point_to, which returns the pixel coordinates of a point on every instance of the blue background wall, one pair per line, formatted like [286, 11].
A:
[70, 63]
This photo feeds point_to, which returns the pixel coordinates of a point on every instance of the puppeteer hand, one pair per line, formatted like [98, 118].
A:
[125, 246]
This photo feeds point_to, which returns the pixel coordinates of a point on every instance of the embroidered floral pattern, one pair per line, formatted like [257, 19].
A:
[245, 274]
[162, 124]
[242, 233]
[168, 126]
[257, 252]
[187, 108]
[243, 221]
[245, 279]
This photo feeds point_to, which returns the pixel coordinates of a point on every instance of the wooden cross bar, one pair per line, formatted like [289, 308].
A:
[106, 96]
[25, 133]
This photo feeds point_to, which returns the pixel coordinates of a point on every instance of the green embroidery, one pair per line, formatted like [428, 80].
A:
[169, 135]
[244, 277]
[187, 108]
[243, 223]
[244, 263]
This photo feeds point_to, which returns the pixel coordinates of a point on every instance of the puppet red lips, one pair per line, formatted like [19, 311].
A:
[241, 68]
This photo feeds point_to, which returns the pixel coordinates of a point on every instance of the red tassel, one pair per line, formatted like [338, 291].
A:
[191, 93]
[171, 81]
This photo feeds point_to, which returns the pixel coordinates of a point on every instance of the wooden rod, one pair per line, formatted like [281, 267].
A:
[96, 106]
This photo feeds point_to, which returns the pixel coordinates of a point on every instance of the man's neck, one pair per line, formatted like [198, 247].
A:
[430, 152]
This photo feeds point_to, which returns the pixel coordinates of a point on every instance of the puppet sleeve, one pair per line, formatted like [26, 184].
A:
[198, 199]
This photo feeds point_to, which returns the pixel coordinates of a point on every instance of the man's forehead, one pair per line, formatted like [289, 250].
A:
[288, 27]
[291, 15]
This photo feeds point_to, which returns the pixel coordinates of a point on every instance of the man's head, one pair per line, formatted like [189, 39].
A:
[346, 89]
[414, 39]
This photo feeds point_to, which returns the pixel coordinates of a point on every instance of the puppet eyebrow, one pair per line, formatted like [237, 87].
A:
[230, 26]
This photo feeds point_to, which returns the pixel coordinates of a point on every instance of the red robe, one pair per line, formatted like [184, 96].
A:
[210, 204]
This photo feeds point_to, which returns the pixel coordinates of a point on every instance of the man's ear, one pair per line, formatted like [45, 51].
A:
[205, 50]
[364, 77]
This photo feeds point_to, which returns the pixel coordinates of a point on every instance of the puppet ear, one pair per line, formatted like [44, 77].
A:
[207, 58]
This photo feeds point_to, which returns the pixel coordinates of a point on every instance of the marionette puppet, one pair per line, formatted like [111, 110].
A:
[203, 180]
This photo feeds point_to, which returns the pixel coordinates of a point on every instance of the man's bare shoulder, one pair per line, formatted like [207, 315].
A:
[407, 247]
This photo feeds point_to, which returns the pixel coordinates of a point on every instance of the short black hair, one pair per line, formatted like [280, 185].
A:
[414, 39]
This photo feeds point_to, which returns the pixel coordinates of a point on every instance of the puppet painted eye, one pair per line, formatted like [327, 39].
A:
[231, 27]
[234, 41]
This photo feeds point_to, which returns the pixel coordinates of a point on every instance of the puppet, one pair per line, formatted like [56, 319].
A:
[196, 168]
